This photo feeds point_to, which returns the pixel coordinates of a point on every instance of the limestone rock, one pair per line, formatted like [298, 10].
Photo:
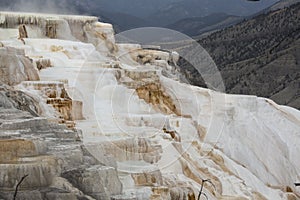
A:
[12, 150]
[22, 195]
[182, 193]
[160, 193]
[32, 123]
[22, 31]
[60, 196]
[144, 56]
[102, 36]
[99, 182]
[55, 94]
[148, 178]
[10, 98]
[101, 158]
[71, 27]
[40, 169]
[23, 145]
[153, 93]
[43, 63]
[132, 149]
[63, 184]
[51, 28]
[123, 197]
[146, 150]
[15, 67]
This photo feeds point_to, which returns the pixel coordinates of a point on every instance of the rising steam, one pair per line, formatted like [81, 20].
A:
[41, 6]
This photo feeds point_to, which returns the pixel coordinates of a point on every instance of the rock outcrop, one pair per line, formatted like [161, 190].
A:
[57, 96]
[100, 182]
[45, 151]
[68, 27]
[15, 67]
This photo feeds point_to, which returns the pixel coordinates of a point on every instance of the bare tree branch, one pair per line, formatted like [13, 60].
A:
[202, 186]
[209, 181]
[200, 192]
[205, 196]
[19, 183]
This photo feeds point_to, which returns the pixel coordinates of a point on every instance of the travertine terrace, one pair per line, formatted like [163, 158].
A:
[83, 123]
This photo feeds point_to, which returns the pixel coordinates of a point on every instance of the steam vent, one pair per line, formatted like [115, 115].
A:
[84, 117]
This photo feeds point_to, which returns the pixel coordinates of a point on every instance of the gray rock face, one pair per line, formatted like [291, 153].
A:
[99, 182]
[22, 195]
[121, 197]
[11, 99]
[62, 195]
[56, 95]
[45, 151]
[15, 67]
[40, 171]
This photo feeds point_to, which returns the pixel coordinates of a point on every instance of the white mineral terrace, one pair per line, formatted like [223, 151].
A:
[33, 18]
[248, 146]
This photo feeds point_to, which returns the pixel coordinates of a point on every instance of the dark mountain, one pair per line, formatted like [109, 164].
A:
[127, 14]
[122, 21]
[198, 25]
[260, 56]
[200, 8]
[137, 8]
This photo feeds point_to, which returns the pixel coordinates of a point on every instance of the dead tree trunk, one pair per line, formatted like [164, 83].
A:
[17, 187]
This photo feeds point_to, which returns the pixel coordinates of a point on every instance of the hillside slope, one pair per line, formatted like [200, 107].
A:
[200, 8]
[258, 57]
[282, 4]
[198, 25]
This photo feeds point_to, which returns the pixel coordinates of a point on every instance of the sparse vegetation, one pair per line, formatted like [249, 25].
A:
[257, 57]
